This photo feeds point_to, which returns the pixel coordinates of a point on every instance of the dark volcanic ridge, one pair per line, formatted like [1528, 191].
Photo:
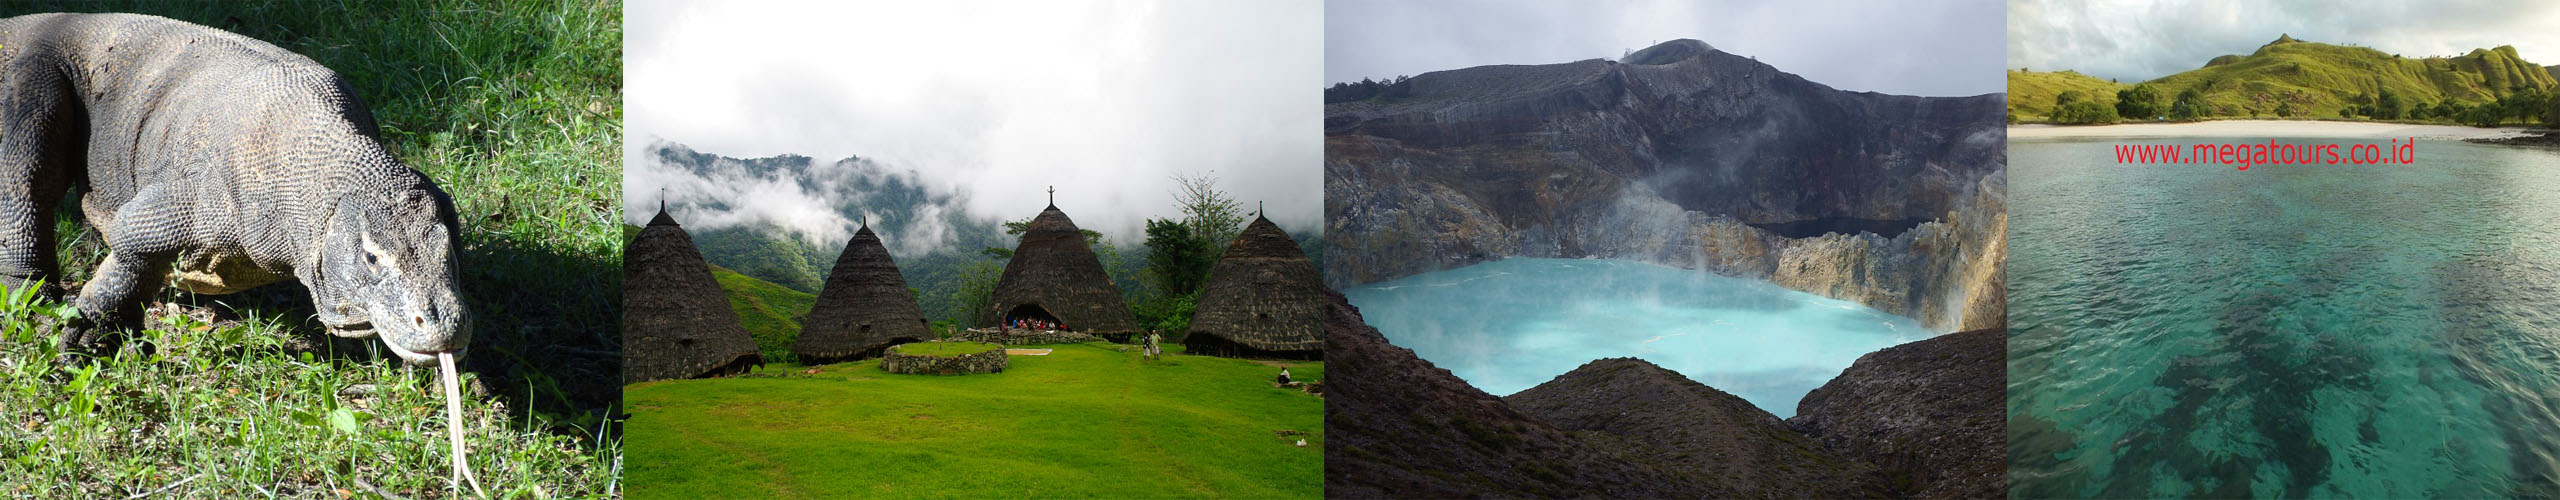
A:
[1906, 421]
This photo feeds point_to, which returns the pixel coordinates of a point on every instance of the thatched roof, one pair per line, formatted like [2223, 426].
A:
[1052, 270]
[676, 321]
[1263, 299]
[865, 307]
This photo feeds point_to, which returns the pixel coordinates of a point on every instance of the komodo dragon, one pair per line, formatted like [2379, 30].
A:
[219, 163]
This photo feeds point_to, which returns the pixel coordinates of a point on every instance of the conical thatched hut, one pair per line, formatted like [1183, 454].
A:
[676, 321]
[1264, 299]
[864, 308]
[1054, 277]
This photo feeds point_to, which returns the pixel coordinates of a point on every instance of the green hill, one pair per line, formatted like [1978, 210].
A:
[769, 312]
[2031, 93]
[2318, 79]
[2298, 79]
[1087, 421]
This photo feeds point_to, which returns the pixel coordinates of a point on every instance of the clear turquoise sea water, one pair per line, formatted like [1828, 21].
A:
[1509, 325]
[2370, 331]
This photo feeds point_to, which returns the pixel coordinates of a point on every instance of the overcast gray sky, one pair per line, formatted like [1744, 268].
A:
[1105, 100]
[1933, 48]
[2136, 41]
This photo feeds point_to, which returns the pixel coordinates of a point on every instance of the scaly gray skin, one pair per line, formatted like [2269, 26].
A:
[217, 163]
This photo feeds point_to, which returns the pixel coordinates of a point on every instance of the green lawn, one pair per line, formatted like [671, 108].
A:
[1089, 420]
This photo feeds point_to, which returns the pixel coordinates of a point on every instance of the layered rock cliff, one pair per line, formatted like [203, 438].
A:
[1904, 422]
[1678, 156]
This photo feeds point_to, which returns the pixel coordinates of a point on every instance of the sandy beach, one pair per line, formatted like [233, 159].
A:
[2262, 128]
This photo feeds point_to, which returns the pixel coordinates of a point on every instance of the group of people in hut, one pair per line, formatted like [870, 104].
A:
[1033, 324]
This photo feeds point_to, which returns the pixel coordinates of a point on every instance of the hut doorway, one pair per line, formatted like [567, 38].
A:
[1033, 317]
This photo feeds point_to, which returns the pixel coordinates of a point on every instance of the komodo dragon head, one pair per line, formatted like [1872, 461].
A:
[387, 267]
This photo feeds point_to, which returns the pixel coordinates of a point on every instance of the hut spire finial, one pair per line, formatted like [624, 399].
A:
[662, 199]
[1053, 196]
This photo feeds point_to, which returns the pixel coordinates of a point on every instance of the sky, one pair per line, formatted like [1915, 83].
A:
[994, 100]
[1929, 48]
[2136, 41]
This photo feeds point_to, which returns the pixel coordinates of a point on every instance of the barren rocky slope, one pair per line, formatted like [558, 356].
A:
[1906, 421]
[1650, 415]
[1398, 427]
[1932, 414]
[1673, 157]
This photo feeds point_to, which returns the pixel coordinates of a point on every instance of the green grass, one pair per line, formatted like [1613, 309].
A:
[2323, 78]
[771, 313]
[236, 410]
[1089, 420]
[944, 349]
[2306, 80]
[2031, 93]
[515, 109]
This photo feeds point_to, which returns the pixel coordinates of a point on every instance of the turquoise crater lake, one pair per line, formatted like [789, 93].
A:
[2387, 331]
[1509, 325]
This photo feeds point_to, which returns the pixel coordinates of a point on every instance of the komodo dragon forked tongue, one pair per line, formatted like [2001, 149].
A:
[453, 424]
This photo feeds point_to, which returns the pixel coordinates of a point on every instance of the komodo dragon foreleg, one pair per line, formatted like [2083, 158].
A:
[142, 241]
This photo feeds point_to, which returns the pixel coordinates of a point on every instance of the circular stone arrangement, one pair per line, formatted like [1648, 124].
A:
[1020, 336]
[944, 358]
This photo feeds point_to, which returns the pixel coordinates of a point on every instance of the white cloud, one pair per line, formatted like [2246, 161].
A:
[995, 100]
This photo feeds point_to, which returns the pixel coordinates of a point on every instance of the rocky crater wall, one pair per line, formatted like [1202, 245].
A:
[1671, 163]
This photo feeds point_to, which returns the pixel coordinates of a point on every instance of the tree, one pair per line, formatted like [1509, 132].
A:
[2067, 97]
[1214, 218]
[2389, 106]
[976, 287]
[2551, 112]
[1132, 288]
[2524, 104]
[2188, 106]
[2485, 115]
[2142, 102]
[1177, 261]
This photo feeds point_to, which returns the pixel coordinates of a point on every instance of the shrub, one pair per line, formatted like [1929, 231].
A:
[2142, 102]
[2190, 105]
[2084, 112]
